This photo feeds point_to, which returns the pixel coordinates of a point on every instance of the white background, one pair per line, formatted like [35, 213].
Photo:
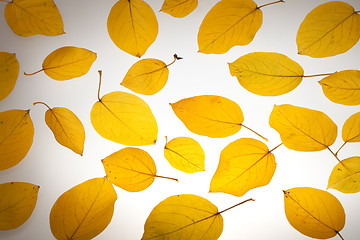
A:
[56, 169]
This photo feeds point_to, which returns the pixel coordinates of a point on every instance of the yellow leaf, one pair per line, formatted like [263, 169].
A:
[132, 26]
[17, 202]
[267, 73]
[209, 115]
[351, 129]
[67, 62]
[313, 212]
[179, 8]
[303, 129]
[84, 211]
[185, 154]
[27, 18]
[244, 164]
[342, 87]
[184, 217]
[329, 29]
[9, 71]
[227, 24]
[16, 137]
[345, 176]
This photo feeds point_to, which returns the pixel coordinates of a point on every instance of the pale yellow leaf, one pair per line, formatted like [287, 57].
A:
[351, 129]
[179, 8]
[9, 71]
[345, 176]
[84, 211]
[17, 202]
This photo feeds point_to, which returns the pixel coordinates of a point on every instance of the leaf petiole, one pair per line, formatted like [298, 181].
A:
[267, 4]
[175, 179]
[318, 75]
[175, 58]
[100, 73]
[254, 132]
[35, 103]
[250, 199]
[30, 74]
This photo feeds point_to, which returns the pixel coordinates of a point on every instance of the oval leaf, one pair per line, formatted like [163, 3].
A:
[303, 129]
[9, 71]
[351, 129]
[209, 115]
[313, 212]
[184, 217]
[179, 8]
[16, 137]
[132, 26]
[267, 73]
[84, 211]
[227, 24]
[330, 29]
[124, 118]
[17, 202]
[345, 176]
[185, 154]
[342, 87]
[27, 18]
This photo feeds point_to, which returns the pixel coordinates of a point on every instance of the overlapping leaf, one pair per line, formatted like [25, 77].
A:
[351, 129]
[345, 176]
[179, 8]
[9, 71]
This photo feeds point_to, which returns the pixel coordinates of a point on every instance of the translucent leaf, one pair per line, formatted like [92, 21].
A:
[303, 129]
[351, 129]
[209, 115]
[267, 73]
[27, 18]
[227, 24]
[345, 176]
[16, 137]
[179, 8]
[9, 71]
[84, 211]
[132, 26]
[342, 87]
[313, 212]
[184, 217]
[185, 154]
[330, 29]
[17, 202]
[124, 118]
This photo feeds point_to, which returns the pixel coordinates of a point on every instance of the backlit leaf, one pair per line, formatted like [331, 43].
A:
[84, 211]
[17, 202]
[342, 87]
[329, 29]
[209, 115]
[345, 176]
[313, 212]
[244, 164]
[303, 129]
[27, 18]
[351, 129]
[16, 137]
[9, 71]
[179, 8]
[185, 154]
[132, 26]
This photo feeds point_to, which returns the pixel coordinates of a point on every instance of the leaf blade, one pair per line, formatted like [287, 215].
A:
[351, 129]
[9, 72]
[179, 8]
[345, 176]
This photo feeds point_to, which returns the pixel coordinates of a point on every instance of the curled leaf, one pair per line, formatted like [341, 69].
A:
[345, 176]
[179, 8]
[351, 129]
[9, 71]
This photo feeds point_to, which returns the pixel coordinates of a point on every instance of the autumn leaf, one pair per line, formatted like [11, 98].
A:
[9, 71]
[303, 129]
[179, 8]
[66, 127]
[313, 212]
[132, 26]
[27, 18]
[185, 154]
[67, 62]
[267, 73]
[330, 29]
[16, 137]
[84, 211]
[17, 202]
[345, 176]
[351, 129]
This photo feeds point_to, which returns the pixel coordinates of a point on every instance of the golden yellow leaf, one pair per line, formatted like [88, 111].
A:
[132, 26]
[244, 164]
[351, 129]
[27, 18]
[179, 8]
[267, 73]
[313, 212]
[209, 115]
[16, 137]
[84, 211]
[329, 29]
[342, 87]
[303, 129]
[17, 202]
[185, 154]
[345, 176]
[9, 71]
[67, 62]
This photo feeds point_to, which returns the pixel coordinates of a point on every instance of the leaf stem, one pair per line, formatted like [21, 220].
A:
[335, 155]
[275, 147]
[280, 1]
[318, 75]
[254, 132]
[29, 74]
[100, 73]
[175, 58]
[175, 179]
[35, 103]
[338, 233]
[250, 199]
[337, 152]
